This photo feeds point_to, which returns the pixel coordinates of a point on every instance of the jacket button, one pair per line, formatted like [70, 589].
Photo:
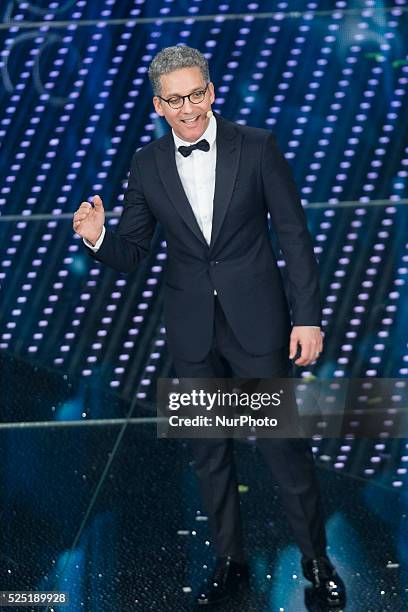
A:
[213, 262]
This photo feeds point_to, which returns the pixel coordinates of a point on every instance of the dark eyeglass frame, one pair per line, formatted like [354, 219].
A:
[184, 97]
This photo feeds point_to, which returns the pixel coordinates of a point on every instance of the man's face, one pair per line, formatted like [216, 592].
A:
[180, 83]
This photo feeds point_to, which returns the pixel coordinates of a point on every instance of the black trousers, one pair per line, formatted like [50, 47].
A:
[290, 460]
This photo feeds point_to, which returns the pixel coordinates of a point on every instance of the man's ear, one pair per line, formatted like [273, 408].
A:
[157, 106]
[212, 93]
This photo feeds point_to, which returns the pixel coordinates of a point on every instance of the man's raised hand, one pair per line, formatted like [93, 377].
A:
[89, 220]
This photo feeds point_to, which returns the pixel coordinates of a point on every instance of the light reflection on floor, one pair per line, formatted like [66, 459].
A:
[145, 540]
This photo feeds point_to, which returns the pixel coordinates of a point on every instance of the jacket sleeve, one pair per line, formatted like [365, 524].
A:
[290, 227]
[125, 247]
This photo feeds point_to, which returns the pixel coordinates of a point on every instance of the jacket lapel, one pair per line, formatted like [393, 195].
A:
[228, 153]
[166, 163]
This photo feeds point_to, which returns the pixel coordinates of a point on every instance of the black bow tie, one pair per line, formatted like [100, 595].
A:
[203, 145]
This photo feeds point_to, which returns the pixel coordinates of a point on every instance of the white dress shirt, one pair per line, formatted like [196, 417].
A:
[197, 175]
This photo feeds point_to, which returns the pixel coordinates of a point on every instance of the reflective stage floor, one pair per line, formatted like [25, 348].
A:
[112, 515]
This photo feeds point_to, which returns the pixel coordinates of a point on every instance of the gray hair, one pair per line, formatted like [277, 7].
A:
[175, 58]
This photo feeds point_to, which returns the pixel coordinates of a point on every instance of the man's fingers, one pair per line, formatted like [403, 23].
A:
[83, 211]
[97, 201]
[292, 347]
[303, 359]
[85, 206]
[79, 216]
[310, 352]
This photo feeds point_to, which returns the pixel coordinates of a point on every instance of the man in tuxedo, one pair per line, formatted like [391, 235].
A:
[211, 183]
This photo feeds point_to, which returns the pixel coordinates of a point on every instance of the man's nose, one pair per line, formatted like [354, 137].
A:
[188, 106]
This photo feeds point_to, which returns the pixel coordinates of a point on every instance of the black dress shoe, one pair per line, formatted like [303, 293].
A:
[227, 578]
[328, 588]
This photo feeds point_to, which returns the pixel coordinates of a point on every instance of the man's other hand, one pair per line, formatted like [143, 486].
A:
[88, 220]
[310, 340]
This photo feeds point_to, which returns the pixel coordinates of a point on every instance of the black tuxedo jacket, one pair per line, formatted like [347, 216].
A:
[252, 179]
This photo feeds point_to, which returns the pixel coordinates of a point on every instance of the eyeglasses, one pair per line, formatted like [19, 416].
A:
[195, 98]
